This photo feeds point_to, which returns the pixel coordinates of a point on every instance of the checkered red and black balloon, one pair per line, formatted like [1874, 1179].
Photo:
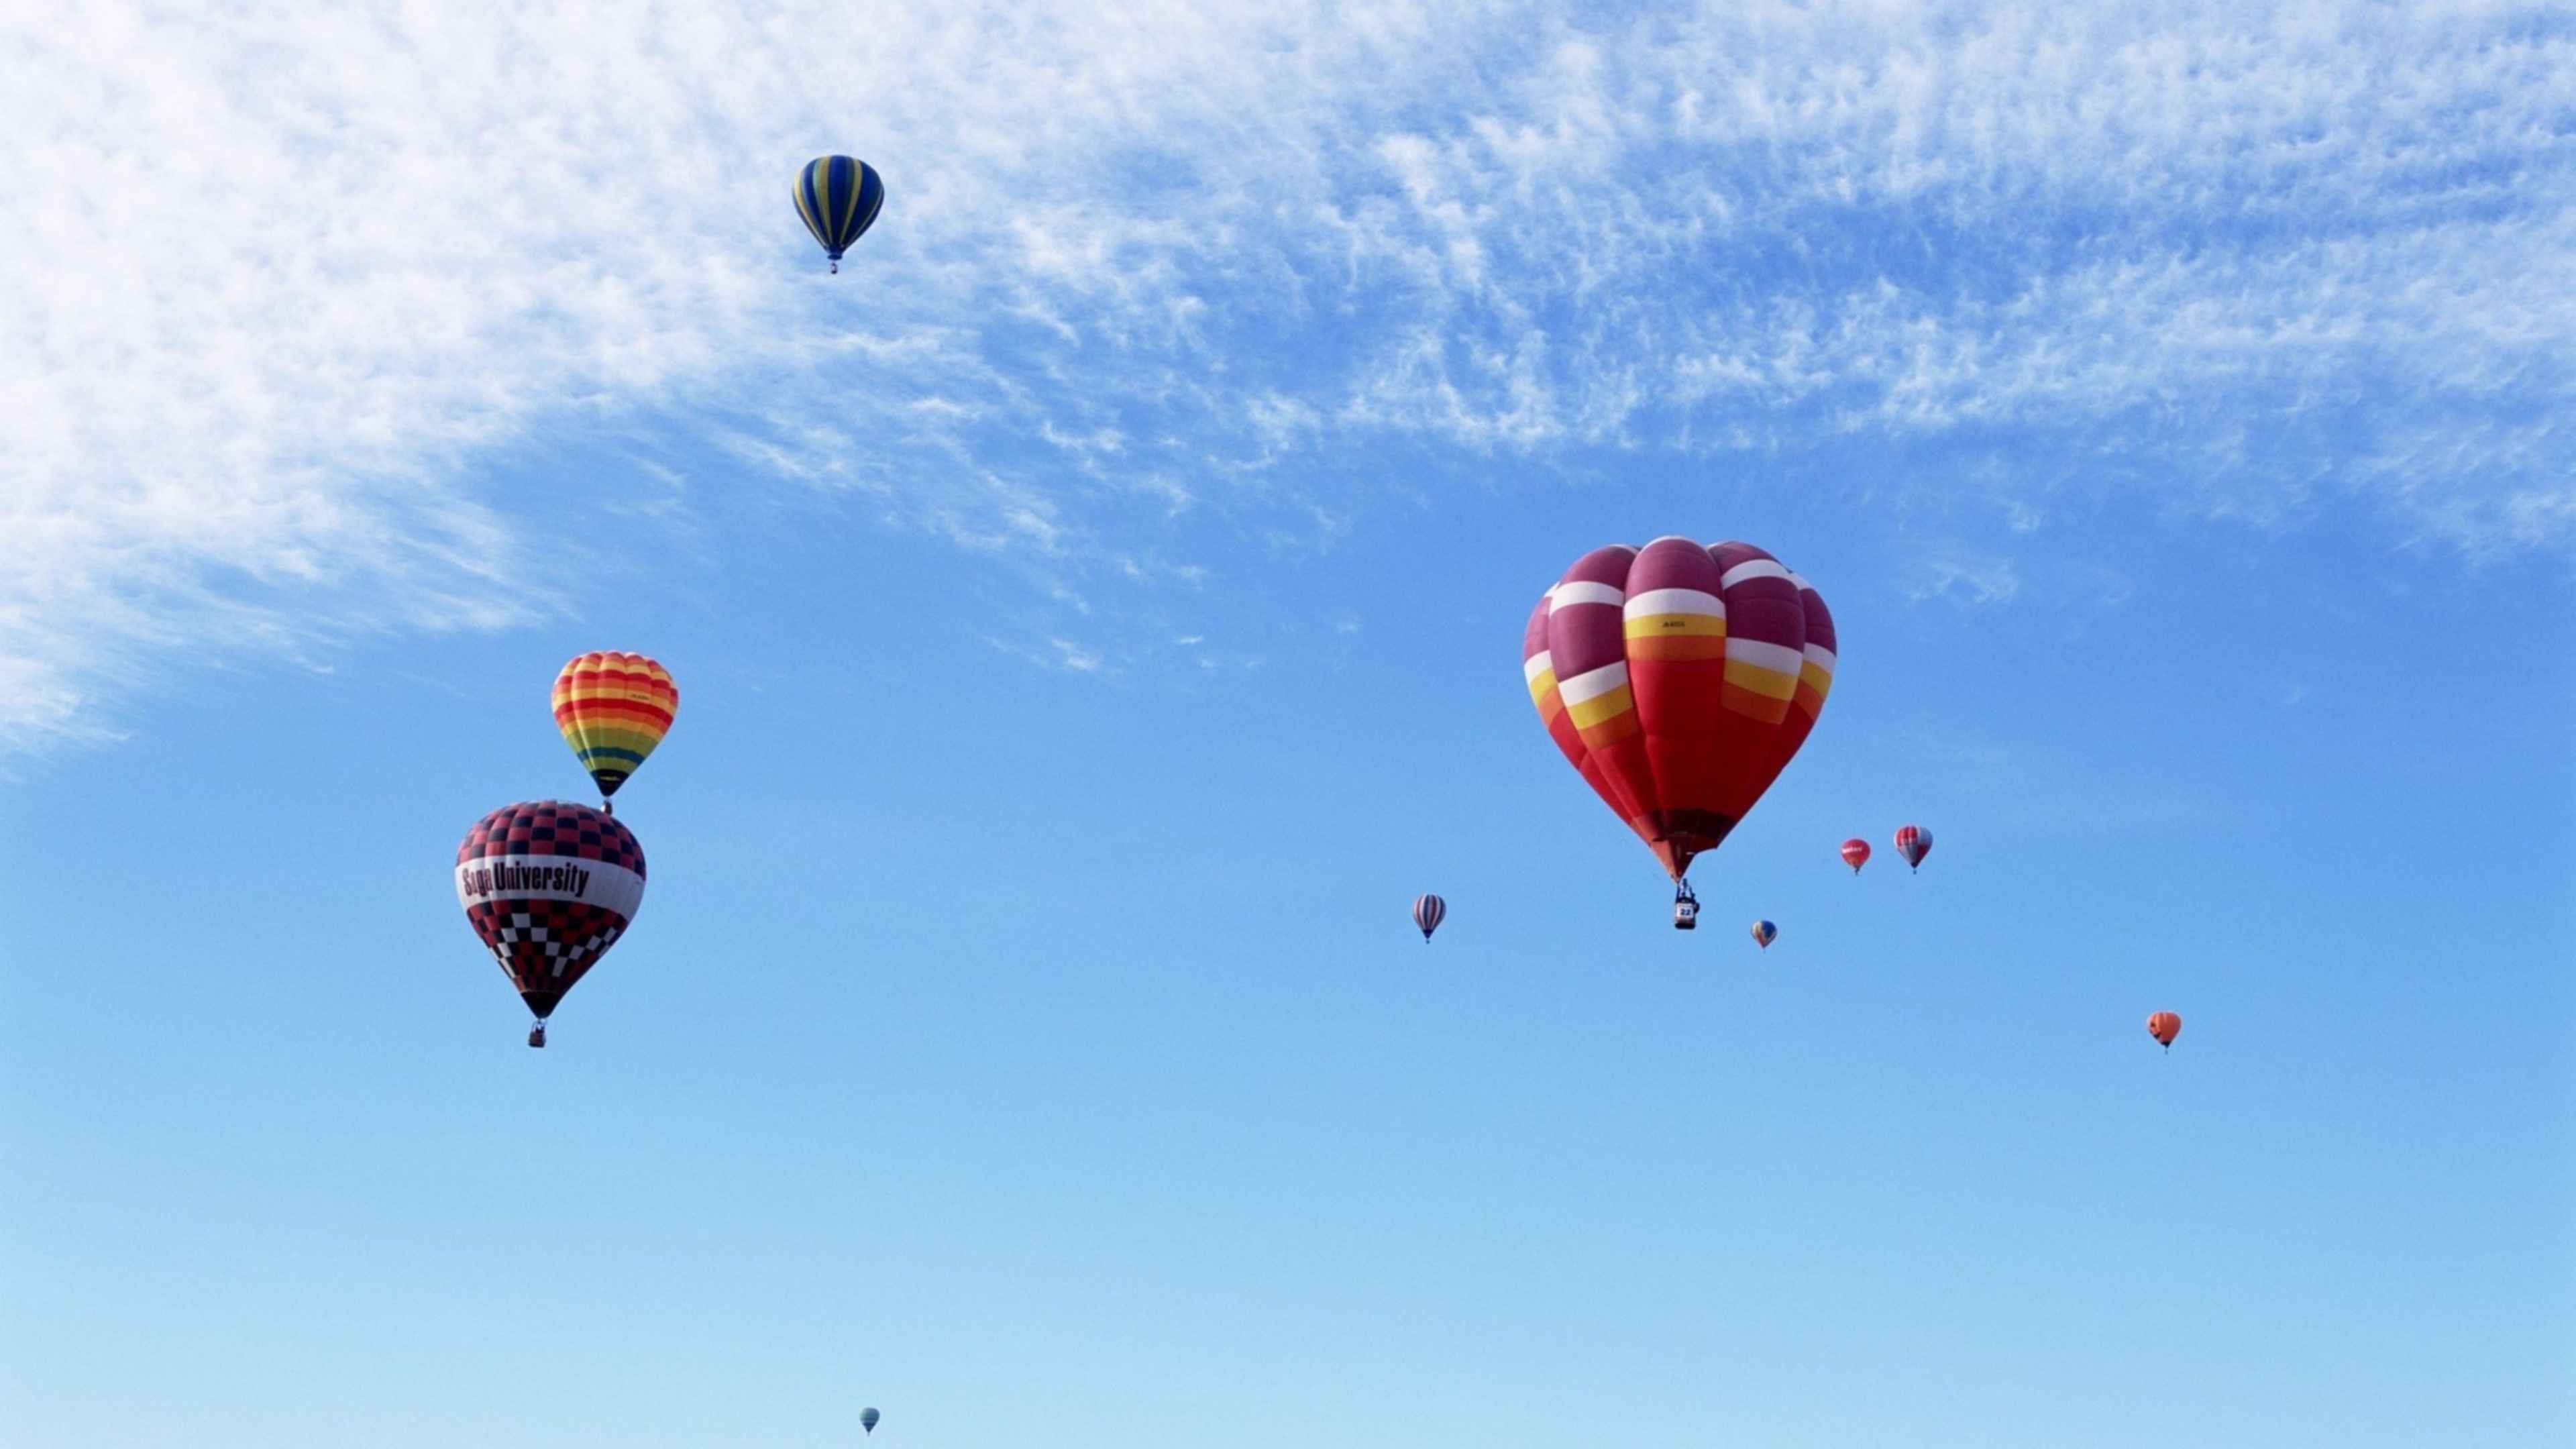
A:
[549, 886]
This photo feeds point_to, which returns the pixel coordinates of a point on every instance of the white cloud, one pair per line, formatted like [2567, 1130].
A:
[1963, 575]
[281, 276]
[1048, 651]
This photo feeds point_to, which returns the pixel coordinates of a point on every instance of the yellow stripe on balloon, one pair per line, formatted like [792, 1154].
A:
[1753, 706]
[1541, 686]
[1753, 678]
[1602, 708]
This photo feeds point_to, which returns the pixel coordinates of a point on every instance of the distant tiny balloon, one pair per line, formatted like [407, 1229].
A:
[1855, 853]
[1764, 933]
[1428, 912]
[868, 1420]
[2164, 1026]
[1914, 842]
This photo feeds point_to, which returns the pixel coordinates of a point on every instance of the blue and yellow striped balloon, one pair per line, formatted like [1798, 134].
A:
[838, 196]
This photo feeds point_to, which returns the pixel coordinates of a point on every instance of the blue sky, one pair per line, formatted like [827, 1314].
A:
[1097, 614]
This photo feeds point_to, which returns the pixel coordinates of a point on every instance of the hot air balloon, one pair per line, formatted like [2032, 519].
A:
[613, 709]
[1764, 933]
[868, 1420]
[2164, 1026]
[1679, 679]
[549, 886]
[1428, 912]
[839, 197]
[1855, 853]
[1913, 842]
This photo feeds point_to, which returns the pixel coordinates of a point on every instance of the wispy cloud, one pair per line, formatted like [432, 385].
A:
[1047, 651]
[284, 275]
[1961, 574]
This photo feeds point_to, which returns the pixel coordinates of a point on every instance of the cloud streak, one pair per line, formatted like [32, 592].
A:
[291, 278]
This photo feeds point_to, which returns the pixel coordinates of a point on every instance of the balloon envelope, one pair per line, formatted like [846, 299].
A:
[1913, 842]
[838, 197]
[1678, 680]
[1764, 933]
[1855, 853]
[613, 708]
[868, 1420]
[2164, 1026]
[1428, 912]
[549, 886]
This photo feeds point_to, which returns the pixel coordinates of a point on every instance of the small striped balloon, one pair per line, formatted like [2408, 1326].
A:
[1913, 842]
[1764, 933]
[838, 197]
[1428, 912]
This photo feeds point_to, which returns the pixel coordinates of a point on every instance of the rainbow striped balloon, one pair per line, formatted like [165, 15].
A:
[613, 709]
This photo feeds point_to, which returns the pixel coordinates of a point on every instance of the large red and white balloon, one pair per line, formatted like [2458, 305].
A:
[1679, 679]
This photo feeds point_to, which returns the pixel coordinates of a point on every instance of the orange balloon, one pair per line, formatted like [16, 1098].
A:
[2164, 1026]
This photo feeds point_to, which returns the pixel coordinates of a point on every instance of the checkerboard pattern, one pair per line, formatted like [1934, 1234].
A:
[545, 946]
[552, 827]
